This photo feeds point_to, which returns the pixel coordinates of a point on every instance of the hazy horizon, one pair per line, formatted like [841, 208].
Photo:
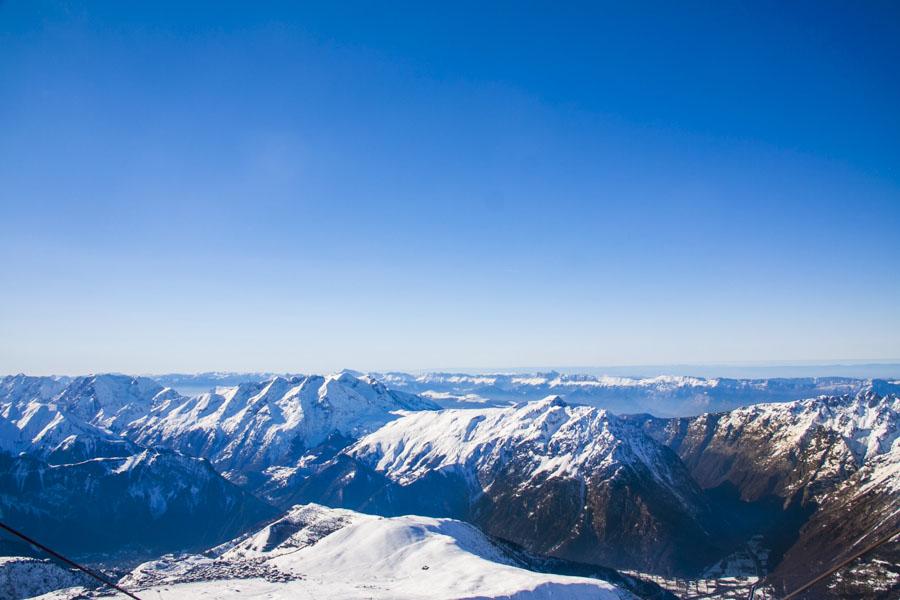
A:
[862, 369]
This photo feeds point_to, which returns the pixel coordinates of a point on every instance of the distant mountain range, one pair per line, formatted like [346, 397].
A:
[663, 396]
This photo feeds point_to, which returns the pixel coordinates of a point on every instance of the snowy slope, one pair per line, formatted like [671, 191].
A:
[549, 439]
[108, 400]
[112, 401]
[42, 429]
[256, 426]
[316, 552]
[867, 422]
[74, 419]
[15, 388]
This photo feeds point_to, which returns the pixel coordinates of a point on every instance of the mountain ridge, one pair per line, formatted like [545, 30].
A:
[520, 472]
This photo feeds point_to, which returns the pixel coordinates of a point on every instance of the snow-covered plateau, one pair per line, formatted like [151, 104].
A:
[318, 552]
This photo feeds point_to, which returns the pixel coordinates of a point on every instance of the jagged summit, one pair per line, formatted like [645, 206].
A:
[257, 425]
[252, 424]
[555, 438]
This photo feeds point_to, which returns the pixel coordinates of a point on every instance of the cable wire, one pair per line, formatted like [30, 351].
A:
[841, 565]
[102, 579]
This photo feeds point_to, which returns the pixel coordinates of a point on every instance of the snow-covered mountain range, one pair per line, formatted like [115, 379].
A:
[129, 457]
[663, 396]
[69, 479]
[260, 426]
[155, 470]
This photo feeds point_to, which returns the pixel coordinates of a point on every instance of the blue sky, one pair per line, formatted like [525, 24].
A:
[386, 185]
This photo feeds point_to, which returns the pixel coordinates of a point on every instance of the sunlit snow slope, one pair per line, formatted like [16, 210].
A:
[317, 552]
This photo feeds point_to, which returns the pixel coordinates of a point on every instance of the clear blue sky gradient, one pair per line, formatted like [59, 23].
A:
[192, 186]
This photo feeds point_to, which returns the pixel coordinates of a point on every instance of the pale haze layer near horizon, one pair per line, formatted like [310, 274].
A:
[282, 188]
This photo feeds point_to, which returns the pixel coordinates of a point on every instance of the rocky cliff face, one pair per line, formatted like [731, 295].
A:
[804, 447]
[837, 457]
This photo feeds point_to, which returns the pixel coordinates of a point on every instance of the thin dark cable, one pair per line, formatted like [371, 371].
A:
[68, 561]
[841, 565]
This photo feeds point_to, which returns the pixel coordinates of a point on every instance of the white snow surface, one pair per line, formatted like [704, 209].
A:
[319, 552]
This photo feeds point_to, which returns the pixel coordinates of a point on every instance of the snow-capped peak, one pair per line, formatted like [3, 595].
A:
[868, 422]
[548, 438]
[259, 425]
